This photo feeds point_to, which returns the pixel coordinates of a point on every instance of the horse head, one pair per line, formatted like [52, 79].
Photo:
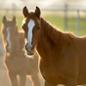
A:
[31, 27]
[8, 29]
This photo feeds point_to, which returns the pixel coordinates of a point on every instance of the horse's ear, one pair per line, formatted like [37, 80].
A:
[25, 11]
[14, 19]
[4, 20]
[37, 12]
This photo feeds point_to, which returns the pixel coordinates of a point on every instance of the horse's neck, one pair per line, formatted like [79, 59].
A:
[21, 40]
[49, 31]
[48, 39]
[15, 42]
[17, 46]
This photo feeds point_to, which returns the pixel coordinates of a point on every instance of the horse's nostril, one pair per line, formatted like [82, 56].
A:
[30, 53]
[29, 49]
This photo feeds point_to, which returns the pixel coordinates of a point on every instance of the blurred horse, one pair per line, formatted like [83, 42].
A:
[2, 51]
[63, 55]
[17, 63]
[3, 69]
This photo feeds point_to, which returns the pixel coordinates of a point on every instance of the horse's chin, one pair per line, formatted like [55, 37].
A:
[30, 53]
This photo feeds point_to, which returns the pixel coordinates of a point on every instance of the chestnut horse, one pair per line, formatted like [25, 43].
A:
[16, 61]
[63, 55]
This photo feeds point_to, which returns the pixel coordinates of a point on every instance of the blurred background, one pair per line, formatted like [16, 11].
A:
[67, 15]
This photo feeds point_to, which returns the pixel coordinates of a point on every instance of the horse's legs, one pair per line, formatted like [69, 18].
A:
[13, 78]
[35, 80]
[49, 84]
[22, 79]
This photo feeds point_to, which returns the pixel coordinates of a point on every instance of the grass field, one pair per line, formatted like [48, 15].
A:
[58, 21]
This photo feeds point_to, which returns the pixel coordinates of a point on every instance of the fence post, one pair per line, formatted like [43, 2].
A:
[66, 17]
[78, 23]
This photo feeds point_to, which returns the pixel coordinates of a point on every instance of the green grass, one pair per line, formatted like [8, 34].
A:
[19, 21]
[58, 21]
[55, 20]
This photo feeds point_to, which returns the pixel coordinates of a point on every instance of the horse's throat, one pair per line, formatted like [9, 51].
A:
[43, 46]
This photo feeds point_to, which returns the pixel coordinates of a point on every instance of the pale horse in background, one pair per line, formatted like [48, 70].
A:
[3, 70]
[17, 63]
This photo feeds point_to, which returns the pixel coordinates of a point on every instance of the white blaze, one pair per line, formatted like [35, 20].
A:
[8, 37]
[31, 25]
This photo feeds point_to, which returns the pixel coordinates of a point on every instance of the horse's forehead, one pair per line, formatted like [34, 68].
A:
[30, 19]
[7, 29]
[31, 23]
[8, 24]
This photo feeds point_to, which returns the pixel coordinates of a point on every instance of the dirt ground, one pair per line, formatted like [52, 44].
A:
[4, 78]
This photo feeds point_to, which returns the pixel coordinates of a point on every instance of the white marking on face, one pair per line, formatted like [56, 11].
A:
[8, 38]
[31, 25]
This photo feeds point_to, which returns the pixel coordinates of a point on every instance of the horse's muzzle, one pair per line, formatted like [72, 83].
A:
[29, 50]
[30, 53]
